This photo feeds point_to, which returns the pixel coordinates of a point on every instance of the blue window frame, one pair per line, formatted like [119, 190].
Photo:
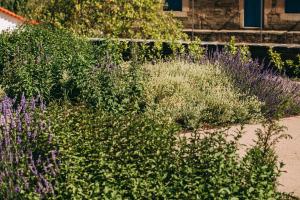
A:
[173, 5]
[292, 6]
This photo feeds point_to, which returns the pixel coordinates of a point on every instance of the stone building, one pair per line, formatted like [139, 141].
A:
[10, 20]
[240, 16]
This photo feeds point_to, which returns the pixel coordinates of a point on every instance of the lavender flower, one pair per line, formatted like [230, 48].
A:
[17, 189]
[24, 143]
[257, 79]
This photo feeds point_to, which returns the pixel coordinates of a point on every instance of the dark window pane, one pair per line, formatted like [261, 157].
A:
[292, 6]
[173, 5]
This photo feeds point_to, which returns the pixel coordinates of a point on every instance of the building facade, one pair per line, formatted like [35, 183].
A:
[237, 14]
[10, 20]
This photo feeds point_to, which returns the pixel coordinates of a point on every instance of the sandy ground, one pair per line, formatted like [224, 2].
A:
[288, 152]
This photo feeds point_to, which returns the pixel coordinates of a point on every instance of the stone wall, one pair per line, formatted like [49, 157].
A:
[276, 23]
[229, 15]
[248, 36]
[220, 14]
[277, 19]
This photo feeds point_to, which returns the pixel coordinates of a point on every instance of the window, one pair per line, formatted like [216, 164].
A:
[274, 3]
[173, 5]
[292, 6]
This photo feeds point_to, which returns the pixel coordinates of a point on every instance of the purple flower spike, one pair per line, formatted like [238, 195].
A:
[17, 189]
[23, 103]
[19, 140]
[2, 121]
[32, 104]
[27, 119]
[22, 133]
[29, 134]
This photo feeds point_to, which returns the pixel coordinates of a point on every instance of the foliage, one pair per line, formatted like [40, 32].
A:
[108, 53]
[59, 65]
[2, 92]
[260, 163]
[113, 156]
[45, 61]
[279, 95]
[233, 49]
[18, 6]
[28, 163]
[195, 50]
[107, 18]
[289, 67]
[134, 156]
[193, 94]
[115, 90]
[276, 59]
[117, 141]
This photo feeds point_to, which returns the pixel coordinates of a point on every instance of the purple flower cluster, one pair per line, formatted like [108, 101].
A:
[279, 94]
[28, 159]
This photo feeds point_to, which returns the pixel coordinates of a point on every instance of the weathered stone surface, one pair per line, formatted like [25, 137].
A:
[214, 14]
[248, 36]
[228, 14]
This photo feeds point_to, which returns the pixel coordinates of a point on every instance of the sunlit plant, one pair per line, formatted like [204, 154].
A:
[28, 162]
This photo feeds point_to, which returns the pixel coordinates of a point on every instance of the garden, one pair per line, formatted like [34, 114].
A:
[83, 120]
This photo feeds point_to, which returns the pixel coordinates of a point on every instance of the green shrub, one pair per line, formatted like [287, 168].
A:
[288, 67]
[194, 94]
[242, 51]
[195, 50]
[108, 156]
[276, 60]
[41, 60]
[57, 65]
[115, 89]
[261, 165]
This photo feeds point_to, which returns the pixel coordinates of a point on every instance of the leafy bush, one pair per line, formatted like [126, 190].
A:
[110, 156]
[43, 61]
[107, 156]
[288, 67]
[195, 50]
[194, 94]
[276, 60]
[57, 65]
[28, 163]
[280, 95]
[233, 49]
[115, 89]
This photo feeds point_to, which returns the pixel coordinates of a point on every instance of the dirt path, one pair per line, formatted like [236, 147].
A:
[288, 152]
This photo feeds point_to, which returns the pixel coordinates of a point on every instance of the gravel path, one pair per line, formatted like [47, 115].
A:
[288, 152]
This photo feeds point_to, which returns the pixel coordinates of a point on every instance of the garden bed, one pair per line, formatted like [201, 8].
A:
[110, 127]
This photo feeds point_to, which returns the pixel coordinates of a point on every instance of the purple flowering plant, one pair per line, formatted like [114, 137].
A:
[28, 157]
[280, 95]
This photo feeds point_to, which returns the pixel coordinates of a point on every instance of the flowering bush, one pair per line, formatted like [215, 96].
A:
[193, 95]
[28, 161]
[280, 95]
[43, 61]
